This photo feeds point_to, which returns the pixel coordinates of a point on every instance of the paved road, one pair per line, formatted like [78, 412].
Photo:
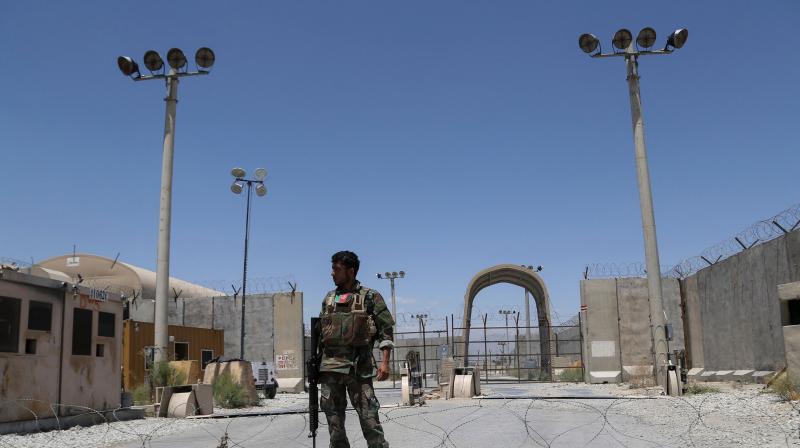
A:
[746, 419]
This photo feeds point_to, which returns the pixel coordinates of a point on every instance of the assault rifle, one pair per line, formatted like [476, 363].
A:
[312, 369]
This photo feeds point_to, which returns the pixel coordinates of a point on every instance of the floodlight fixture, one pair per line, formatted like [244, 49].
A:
[261, 173]
[238, 172]
[204, 58]
[237, 187]
[402, 274]
[261, 190]
[622, 39]
[153, 61]
[588, 42]
[387, 274]
[678, 38]
[646, 37]
[127, 66]
[176, 58]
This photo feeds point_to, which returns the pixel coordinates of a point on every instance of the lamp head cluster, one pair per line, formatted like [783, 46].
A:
[391, 275]
[508, 311]
[623, 42]
[537, 268]
[204, 59]
[239, 181]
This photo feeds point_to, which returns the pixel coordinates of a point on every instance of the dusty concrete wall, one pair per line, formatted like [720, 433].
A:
[91, 381]
[733, 309]
[288, 336]
[601, 331]
[33, 378]
[224, 313]
[616, 326]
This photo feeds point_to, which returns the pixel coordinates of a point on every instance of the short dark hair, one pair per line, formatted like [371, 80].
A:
[347, 259]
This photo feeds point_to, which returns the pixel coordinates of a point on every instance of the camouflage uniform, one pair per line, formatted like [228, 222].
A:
[349, 370]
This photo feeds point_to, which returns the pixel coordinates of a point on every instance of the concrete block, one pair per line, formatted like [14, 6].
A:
[791, 343]
[605, 376]
[723, 375]
[290, 385]
[762, 376]
[708, 375]
[742, 376]
[789, 291]
[694, 373]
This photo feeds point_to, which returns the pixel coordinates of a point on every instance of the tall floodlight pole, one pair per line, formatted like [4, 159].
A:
[626, 47]
[204, 58]
[261, 190]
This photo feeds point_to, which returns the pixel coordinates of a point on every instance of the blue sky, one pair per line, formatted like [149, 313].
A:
[436, 137]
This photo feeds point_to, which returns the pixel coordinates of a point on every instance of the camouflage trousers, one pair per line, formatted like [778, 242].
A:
[333, 401]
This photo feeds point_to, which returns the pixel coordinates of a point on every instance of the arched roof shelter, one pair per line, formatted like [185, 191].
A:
[118, 277]
[519, 276]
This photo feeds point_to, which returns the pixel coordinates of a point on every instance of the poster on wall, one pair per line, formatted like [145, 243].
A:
[285, 360]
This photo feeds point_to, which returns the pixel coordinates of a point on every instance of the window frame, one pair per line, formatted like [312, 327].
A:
[175, 351]
[14, 339]
[202, 351]
[100, 315]
[81, 330]
[48, 305]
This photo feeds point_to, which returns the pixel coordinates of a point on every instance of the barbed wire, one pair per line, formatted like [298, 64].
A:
[745, 418]
[255, 285]
[758, 233]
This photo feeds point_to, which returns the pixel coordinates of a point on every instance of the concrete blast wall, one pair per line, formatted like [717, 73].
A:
[733, 312]
[274, 325]
[616, 327]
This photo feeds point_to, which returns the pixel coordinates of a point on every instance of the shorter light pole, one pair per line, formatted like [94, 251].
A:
[506, 313]
[261, 190]
[392, 276]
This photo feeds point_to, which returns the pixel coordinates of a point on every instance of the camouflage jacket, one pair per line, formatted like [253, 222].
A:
[359, 361]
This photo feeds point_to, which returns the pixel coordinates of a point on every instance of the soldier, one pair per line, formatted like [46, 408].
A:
[353, 317]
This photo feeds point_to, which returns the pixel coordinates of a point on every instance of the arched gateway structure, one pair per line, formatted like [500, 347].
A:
[515, 275]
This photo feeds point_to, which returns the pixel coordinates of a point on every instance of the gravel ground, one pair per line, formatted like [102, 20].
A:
[736, 416]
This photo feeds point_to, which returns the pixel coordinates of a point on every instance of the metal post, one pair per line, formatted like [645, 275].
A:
[392, 357]
[527, 323]
[648, 226]
[244, 269]
[164, 222]
[485, 347]
[424, 354]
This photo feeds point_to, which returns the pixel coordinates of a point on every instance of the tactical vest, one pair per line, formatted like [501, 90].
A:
[348, 325]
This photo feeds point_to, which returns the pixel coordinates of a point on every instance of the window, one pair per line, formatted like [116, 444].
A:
[205, 357]
[100, 350]
[40, 316]
[9, 324]
[30, 346]
[149, 357]
[794, 312]
[105, 324]
[81, 332]
[181, 351]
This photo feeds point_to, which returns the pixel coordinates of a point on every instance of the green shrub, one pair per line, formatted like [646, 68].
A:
[700, 388]
[142, 394]
[786, 386]
[162, 374]
[228, 393]
[571, 375]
